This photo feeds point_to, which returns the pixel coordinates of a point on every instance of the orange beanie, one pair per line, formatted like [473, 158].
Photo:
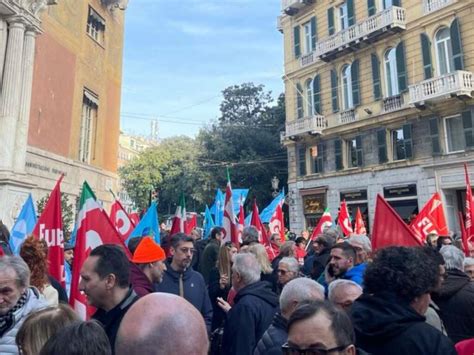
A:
[148, 252]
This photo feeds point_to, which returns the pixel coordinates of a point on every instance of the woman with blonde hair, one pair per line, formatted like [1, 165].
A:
[260, 253]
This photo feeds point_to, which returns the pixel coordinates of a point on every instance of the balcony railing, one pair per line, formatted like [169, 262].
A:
[308, 125]
[291, 7]
[393, 103]
[457, 83]
[347, 116]
[374, 27]
[434, 5]
[308, 59]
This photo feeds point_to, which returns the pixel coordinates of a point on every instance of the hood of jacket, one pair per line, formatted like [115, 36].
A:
[382, 316]
[455, 281]
[139, 279]
[175, 274]
[260, 289]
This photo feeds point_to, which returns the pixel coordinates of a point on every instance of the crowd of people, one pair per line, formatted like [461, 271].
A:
[195, 295]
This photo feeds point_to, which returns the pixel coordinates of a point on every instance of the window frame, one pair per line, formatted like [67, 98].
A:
[93, 28]
[307, 35]
[346, 87]
[445, 124]
[309, 97]
[391, 72]
[447, 46]
[88, 127]
[342, 16]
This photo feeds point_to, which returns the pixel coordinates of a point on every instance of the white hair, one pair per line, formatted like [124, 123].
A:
[453, 257]
[292, 263]
[468, 262]
[18, 265]
[361, 239]
[300, 290]
[247, 266]
[340, 283]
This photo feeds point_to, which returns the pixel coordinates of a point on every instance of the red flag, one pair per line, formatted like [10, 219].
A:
[121, 220]
[191, 223]
[50, 228]
[469, 208]
[343, 220]
[430, 219]
[465, 243]
[324, 221]
[241, 224]
[262, 233]
[228, 221]
[359, 223]
[134, 217]
[179, 219]
[389, 229]
[277, 222]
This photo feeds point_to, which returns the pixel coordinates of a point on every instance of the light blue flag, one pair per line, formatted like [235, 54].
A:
[148, 225]
[237, 194]
[267, 213]
[217, 209]
[24, 225]
[208, 223]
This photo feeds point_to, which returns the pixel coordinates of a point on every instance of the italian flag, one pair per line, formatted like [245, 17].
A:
[324, 222]
[229, 222]
[179, 219]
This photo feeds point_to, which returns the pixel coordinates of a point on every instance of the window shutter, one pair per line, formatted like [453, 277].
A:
[331, 27]
[338, 154]
[396, 3]
[318, 165]
[426, 53]
[350, 12]
[468, 128]
[296, 39]
[371, 7]
[456, 45]
[314, 36]
[407, 141]
[302, 161]
[376, 76]
[382, 145]
[401, 67]
[355, 83]
[317, 94]
[359, 151]
[434, 136]
[334, 100]
[299, 101]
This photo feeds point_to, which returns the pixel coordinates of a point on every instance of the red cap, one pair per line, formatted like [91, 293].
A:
[148, 252]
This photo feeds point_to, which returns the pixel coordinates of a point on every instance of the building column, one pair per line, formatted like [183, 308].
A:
[11, 89]
[21, 138]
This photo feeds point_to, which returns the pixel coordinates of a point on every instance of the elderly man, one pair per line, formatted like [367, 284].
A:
[343, 293]
[319, 327]
[254, 307]
[160, 324]
[455, 298]
[105, 281]
[288, 269]
[362, 247]
[294, 293]
[469, 267]
[389, 316]
[17, 300]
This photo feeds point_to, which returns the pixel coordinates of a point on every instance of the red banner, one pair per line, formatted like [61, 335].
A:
[343, 220]
[431, 219]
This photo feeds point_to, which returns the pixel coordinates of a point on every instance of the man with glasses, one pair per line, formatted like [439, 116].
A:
[180, 279]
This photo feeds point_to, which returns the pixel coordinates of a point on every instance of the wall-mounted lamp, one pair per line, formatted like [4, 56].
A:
[368, 111]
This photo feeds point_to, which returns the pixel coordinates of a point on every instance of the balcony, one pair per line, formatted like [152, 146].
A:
[308, 125]
[291, 7]
[393, 103]
[434, 5]
[307, 59]
[457, 83]
[362, 34]
[347, 116]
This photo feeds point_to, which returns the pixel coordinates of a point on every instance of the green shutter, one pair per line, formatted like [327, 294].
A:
[350, 12]
[338, 154]
[334, 100]
[317, 94]
[407, 141]
[302, 161]
[401, 67]
[355, 83]
[426, 53]
[382, 145]
[297, 43]
[371, 7]
[468, 129]
[319, 160]
[314, 36]
[396, 3]
[456, 45]
[359, 151]
[376, 77]
[331, 27]
[299, 101]
[434, 136]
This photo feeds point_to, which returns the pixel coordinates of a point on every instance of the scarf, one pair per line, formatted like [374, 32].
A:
[6, 321]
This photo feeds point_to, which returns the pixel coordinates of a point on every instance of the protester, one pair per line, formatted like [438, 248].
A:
[148, 257]
[431, 240]
[300, 249]
[469, 267]
[455, 298]
[40, 326]
[33, 254]
[68, 261]
[18, 300]
[362, 247]
[389, 317]
[294, 293]
[260, 253]
[105, 281]
[250, 235]
[443, 240]
[62, 294]
[210, 253]
[162, 324]
[319, 327]
[315, 264]
[180, 279]
[287, 249]
[288, 269]
[342, 265]
[343, 293]
[199, 245]
[255, 306]
[78, 338]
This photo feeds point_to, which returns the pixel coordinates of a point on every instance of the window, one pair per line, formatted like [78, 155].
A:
[444, 51]
[309, 97]
[299, 101]
[338, 154]
[354, 152]
[308, 48]
[459, 132]
[391, 75]
[301, 161]
[317, 156]
[95, 26]
[343, 17]
[90, 104]
[402, 143]
[347, 87]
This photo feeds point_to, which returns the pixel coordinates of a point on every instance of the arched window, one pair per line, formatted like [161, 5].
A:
[391, 74]
[309, 97]
[444, 52]
[347, 87]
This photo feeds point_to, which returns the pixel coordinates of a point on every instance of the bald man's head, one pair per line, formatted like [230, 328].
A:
[162, 323]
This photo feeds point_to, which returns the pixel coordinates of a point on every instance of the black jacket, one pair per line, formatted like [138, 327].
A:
[455, 300]
[218, 315]
[252, 314]
[195, 290]
[275, 336]
[314, 265]
[199, 246]
[208, 259]
[386, 325]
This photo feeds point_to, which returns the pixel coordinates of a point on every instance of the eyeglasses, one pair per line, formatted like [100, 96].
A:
[283, 272]
[290, 350]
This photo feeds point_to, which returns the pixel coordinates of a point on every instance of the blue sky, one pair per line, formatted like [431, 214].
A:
[180, 54]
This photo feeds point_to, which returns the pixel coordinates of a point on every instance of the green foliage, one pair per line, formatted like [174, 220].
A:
[67, 209]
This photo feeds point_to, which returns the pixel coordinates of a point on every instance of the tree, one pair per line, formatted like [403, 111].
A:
[67, 210]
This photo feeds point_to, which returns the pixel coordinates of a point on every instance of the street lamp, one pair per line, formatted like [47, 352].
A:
[275, 182]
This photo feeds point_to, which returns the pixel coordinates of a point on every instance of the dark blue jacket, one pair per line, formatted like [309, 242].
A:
[273, 339]
[195, 290]
[253, 311]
